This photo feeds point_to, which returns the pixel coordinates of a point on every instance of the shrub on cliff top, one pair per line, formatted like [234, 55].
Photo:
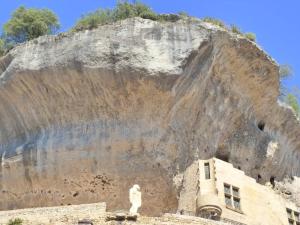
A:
[2, 50]
[122, 11]
[16, 221]
[236, 29]
[5, 45]
[27, 24]
[215, 21]
[233, 28]
[285, 71]
[92, 20]
[250, 36]
[127, 10]
[292, 101]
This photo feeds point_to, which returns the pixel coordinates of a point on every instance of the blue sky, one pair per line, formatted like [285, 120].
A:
[275, 22]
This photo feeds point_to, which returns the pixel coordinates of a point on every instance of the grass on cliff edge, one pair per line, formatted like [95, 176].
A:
[122, 11]
[125, 10]
[233, 28]
[2, 49]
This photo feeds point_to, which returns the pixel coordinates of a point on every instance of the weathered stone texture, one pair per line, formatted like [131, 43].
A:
[85, 116]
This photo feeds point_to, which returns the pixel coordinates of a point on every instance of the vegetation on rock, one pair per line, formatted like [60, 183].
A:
[292, 101]
[5, 45]
[92, 20]
[233, 28]
[2, 50]
[27, 24]
[16, 221]
[251, 36]
[236, 29]
[215, 21]
[285, 71]
[122, 11]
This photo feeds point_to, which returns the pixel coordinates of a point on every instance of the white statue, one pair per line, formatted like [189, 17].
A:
[135, 197]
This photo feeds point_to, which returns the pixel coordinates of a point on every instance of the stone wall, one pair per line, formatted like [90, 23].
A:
[55, 215]
[70, 215]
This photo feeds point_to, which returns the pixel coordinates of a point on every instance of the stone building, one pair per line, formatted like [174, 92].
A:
[216, 190]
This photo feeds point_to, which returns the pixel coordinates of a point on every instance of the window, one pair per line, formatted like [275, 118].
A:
[235, 192]
[207, 171]
[228, 200]
[293, 217]
[232, 197]
[289, 212]
[227, 189]
[236, 203]
[297, 216]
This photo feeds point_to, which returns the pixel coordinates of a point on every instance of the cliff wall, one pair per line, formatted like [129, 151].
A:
[84, 116]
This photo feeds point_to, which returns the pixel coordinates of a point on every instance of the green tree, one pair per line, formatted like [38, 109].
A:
[144, 11]
[285, 71]
[27, 24]
[236, 29]
[122, 11]
[293, 102]
[250, 36]
[2, 50]
[92, 20]
[5, 45]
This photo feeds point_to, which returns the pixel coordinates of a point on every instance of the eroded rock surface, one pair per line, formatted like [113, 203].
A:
[85, 116]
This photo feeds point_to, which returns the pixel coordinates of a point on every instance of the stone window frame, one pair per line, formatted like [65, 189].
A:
[234, 195]
[293, 216]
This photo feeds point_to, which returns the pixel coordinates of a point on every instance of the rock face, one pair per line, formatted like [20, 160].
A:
[85, 116]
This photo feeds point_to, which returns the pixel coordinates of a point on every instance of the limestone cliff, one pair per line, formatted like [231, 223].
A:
[84, 116]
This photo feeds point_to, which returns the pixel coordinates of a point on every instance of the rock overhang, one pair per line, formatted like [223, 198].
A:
[157, 94]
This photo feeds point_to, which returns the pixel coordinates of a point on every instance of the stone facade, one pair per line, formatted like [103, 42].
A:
[69, 214]
[222, 192]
